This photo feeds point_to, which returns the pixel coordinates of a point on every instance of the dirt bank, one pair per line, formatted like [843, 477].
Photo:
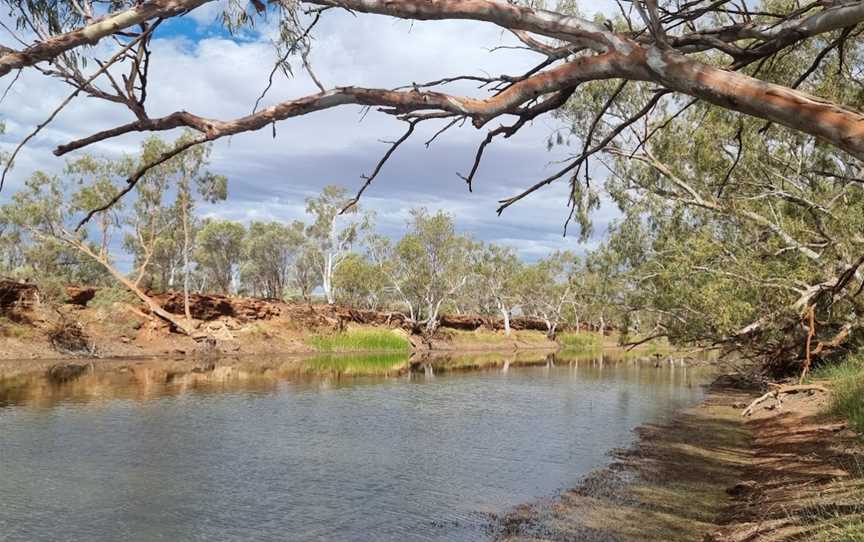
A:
[713, 475]
[104, 323]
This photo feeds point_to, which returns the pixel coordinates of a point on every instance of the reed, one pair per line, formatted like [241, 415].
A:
[360, 341]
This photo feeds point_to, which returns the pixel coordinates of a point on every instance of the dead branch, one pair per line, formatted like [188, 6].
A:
[777, 394]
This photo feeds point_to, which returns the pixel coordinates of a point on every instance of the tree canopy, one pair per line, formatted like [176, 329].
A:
[768, 60]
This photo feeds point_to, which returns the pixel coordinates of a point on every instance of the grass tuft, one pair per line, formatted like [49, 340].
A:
[847, 380]
[360, 341]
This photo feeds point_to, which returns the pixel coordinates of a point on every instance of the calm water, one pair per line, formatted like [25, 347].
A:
[259, 451]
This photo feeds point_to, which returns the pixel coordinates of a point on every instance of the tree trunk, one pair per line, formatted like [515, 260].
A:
[186, 244]
[506, 316]
[122, 279]
[327, 279]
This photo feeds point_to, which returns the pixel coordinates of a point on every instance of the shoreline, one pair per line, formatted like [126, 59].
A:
[711, 475]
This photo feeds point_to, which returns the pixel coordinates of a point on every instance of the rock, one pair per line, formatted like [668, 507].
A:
[211, 307]
[80, 295]
[16, 295]
[742, 488]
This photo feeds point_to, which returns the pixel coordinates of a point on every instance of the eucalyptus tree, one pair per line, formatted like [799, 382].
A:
[498, 270]
[669, 54]
[359, 282]
[46, 211]
[306, 273]
[427, 267]
[545, 289]
[752, 240]
[336, 228]
[270, 250]
[218, 255]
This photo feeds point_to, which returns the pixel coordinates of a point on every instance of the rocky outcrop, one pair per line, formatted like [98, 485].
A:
[211, 307]
[16, 295]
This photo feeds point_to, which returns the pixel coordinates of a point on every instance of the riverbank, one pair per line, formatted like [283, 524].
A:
[105, 323]
[790, 473]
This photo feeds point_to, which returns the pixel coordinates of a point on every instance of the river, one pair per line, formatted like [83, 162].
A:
[261, 450]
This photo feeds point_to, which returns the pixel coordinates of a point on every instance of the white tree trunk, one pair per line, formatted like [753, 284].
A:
[327, 279]
[186, 244]
[506, 315]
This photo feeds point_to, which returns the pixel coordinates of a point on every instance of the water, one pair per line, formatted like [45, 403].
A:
[262, 450]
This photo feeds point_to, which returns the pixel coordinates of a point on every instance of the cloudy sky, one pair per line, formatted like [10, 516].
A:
[197, 67]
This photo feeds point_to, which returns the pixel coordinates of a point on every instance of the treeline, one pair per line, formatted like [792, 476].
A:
[336, 253]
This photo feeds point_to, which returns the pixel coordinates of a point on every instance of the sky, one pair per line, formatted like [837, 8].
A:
[198, 67]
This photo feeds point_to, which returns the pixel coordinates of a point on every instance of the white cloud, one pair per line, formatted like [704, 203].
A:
[221, 78]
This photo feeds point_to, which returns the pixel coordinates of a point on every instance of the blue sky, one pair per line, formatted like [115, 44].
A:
[199, 67]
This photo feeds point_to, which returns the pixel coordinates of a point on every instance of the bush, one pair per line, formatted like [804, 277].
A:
[105, 298]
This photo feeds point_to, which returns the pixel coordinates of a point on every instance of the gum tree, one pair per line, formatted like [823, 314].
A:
[333, 233]
[498, 269]
[667, 54]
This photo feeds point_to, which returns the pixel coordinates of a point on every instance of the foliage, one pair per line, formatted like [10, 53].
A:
[105, 298]
[359, 282]
[269, 253]
[218, 253]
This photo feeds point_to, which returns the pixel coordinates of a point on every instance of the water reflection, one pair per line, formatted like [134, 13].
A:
[42, 384]
[326, 448]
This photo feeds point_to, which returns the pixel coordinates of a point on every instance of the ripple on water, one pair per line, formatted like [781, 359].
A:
[268, 457]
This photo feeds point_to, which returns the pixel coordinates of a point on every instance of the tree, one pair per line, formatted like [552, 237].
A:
[737, 249]
[359, 282]
[307, 275]
[545, 289]
[498, 270]
[47, 207]
[659, 55]
[427, 267]
[218, 253]
[269, 253]
[334, 232]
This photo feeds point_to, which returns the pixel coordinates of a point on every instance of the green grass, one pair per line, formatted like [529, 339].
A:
[847, 380]
[377, 365]
[850, 530]
[360, 341]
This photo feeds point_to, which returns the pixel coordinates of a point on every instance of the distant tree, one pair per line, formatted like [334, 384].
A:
[333, 232]
[218, 254]
[163, 235]
[269, 253]
[307, 274]
[427, 267]
[498, 270]
[545, 289]
[359, 282]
